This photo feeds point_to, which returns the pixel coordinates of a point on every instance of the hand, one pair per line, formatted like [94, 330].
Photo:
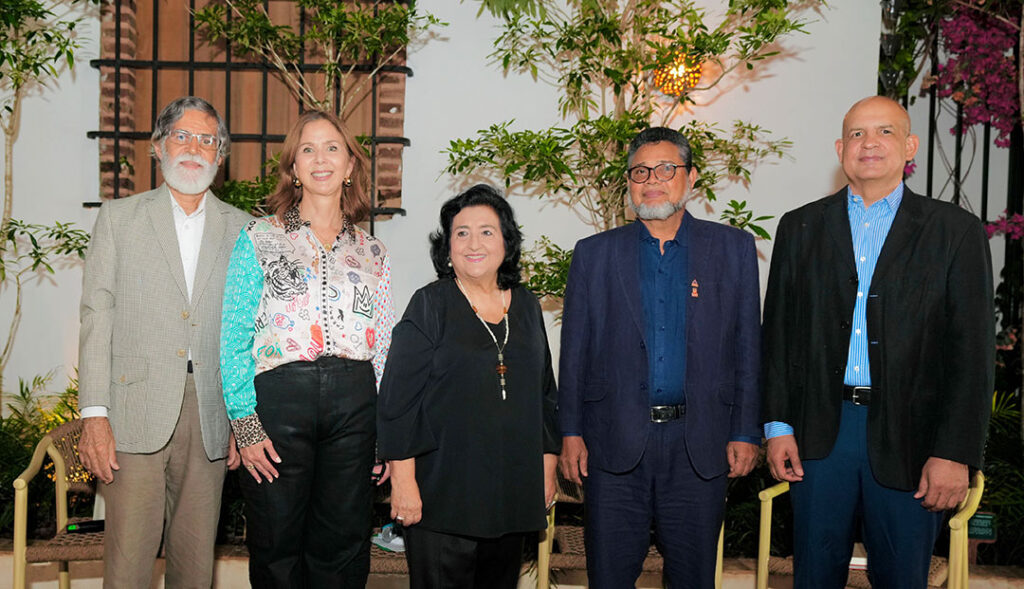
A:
[550, 480]
[742, 456]
[380, 472]
[256, 459]
[780, 450]
[234, 458]
[573, 460]
[943, 484]
[97, 448]
[406, 504]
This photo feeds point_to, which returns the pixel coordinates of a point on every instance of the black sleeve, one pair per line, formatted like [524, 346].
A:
[403, 430]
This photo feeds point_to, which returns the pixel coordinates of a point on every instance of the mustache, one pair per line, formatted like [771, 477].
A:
[191, 157]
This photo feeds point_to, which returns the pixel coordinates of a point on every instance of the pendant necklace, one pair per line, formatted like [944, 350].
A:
[501, 369]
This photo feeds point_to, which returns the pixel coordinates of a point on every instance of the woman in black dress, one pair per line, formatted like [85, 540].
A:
[466, 412]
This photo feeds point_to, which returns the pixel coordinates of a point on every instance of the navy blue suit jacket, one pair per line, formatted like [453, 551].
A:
[603, 368]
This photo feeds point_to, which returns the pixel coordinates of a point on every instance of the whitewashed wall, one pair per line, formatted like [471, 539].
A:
[55, 170]
[453, 93]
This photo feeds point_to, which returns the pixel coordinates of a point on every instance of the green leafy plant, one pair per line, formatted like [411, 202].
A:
[345, 36]
[35, 45]
[32, 414]
[602, 57]
[29, 250]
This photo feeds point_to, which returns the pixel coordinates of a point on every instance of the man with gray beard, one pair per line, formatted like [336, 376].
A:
[155, 428]
[658, 382]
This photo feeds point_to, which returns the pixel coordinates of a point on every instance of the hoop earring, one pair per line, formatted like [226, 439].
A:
[296, 183]
[347, 182]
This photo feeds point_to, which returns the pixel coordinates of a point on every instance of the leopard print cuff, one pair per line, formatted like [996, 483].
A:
[248, 430]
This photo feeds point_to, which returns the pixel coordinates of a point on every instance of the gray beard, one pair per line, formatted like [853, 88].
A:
[185, 181]
[656, 212]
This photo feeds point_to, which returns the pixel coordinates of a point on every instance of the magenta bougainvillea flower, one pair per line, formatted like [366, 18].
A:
[1012, 227]
[980, 73]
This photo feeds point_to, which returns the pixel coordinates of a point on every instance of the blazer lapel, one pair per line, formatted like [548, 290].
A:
[162, 218]
[837, 220]
[698, 266]
[905, 227]
[209, 249]
[627, 260]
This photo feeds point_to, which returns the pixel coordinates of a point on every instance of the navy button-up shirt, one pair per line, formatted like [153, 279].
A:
[663, 286]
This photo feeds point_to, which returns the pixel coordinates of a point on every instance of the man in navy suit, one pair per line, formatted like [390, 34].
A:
[658, 395]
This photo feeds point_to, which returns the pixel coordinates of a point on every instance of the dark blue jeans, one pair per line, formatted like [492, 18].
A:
[838, 493]
[311, 526]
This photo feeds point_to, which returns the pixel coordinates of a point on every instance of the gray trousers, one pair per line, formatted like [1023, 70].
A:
[173, 493]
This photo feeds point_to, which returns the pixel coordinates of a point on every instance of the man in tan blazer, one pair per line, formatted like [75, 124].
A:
[156, 431]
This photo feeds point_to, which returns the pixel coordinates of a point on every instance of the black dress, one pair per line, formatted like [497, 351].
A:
[479, 458]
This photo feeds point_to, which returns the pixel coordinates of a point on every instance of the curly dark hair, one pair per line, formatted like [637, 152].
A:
[479, 195]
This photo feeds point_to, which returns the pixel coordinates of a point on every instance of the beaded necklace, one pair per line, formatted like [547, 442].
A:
[501, 369]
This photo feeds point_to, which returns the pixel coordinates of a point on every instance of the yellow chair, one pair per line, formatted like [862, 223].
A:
[572, 555]
[61, 445]
[958, 565]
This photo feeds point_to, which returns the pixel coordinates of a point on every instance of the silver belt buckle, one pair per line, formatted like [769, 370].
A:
[855, 397]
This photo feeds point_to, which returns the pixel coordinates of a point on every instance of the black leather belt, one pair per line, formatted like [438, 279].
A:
[857, 395]
[663, 413]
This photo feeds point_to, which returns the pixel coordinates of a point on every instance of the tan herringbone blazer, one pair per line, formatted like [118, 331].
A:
[138, 323]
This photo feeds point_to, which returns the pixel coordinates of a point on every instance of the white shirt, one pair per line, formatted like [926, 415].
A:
[189, 229]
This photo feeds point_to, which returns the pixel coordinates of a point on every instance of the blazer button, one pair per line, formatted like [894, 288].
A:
[853, 279]
[643, 387]
[184, 314]
[844, 324]
[837, 371]
[181, 353]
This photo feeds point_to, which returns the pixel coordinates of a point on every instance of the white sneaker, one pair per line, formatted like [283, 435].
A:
[389, 539]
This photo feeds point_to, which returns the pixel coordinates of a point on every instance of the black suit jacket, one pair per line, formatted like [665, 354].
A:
[603, 376]
[930, 331]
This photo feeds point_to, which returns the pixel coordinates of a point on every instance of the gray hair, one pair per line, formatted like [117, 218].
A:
[173, 112]
[657, 135]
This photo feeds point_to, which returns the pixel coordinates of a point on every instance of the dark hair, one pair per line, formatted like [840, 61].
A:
[479, 195]
[355, 199]
[657, 135]
[173, 112]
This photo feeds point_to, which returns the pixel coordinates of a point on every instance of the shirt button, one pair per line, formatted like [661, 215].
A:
[856, 368]
[860, 294]
[862, 259]
[867, 224]
[857, 332]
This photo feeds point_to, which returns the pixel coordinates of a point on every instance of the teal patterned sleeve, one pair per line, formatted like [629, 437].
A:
[243, 289]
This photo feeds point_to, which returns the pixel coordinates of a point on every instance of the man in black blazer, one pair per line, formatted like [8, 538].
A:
[878, 360]
[659, 366]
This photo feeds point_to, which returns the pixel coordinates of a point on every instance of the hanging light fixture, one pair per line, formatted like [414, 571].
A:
[676, 78]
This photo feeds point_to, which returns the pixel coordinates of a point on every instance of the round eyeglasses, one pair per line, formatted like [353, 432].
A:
[663, 172]
[183, 137]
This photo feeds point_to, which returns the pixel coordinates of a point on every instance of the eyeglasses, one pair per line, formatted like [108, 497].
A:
[183, 137]
[663, 172]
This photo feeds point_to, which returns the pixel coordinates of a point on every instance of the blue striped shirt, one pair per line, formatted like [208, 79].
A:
[869, 227]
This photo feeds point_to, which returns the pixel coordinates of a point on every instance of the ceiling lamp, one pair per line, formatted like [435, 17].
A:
[677, 77]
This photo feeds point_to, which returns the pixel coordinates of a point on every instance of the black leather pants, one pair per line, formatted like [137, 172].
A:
[311, 526]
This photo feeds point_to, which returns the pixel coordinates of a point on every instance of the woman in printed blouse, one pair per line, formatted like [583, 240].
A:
[304, 336]
[467, 405]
